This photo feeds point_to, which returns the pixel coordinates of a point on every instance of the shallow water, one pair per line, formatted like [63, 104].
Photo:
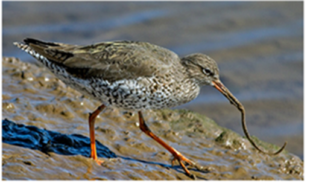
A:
[258, 47]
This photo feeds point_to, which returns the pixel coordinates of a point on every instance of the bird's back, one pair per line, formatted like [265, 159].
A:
[110, 61]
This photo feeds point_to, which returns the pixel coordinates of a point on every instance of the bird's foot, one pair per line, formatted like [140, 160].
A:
[95, 158]
[99, 162]
[181, 159]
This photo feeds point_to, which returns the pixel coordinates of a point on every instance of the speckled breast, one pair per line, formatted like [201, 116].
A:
[140, 93]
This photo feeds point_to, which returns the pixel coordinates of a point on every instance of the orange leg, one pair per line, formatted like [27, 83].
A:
[177, 155]
[91, 122]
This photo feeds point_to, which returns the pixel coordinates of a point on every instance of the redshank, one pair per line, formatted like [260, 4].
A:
[133, 76]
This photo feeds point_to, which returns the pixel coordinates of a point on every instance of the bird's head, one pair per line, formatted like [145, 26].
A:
[201, 68]
[204, 71]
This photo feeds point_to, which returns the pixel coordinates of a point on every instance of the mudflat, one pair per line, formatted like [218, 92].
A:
[45, 137]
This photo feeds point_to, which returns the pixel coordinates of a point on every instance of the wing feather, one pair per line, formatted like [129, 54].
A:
[110, 61]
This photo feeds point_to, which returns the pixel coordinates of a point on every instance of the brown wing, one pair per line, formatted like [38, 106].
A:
[109, 60]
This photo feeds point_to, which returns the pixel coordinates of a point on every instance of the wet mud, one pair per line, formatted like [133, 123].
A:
[45, 137]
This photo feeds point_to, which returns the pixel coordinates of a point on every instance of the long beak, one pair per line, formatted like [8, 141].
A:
[234, 101]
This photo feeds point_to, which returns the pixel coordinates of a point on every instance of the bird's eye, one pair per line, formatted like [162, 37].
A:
[207, 71]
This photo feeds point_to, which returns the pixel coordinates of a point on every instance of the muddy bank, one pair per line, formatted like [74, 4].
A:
[45, 135]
